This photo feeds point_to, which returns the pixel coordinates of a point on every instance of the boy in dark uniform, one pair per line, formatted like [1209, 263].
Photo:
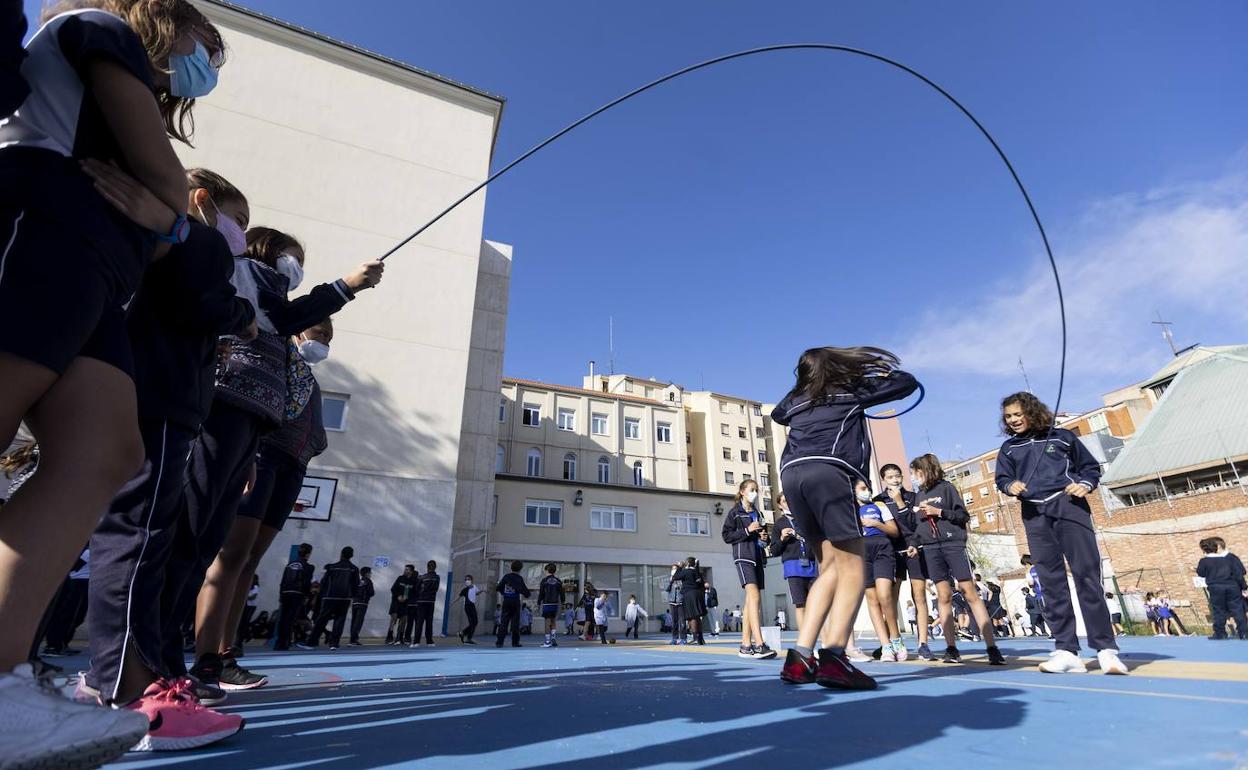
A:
[1224, 580]
[295, 589]
[551, 595]
[359, 603]
[426, 596]
[512, 588]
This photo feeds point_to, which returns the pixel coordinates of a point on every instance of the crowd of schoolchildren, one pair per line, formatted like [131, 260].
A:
[152, 351]
[150, 347]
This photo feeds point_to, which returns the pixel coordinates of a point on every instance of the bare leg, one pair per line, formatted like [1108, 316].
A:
[944, 599]
[264, 538]
[86, 424]
[751, 629]
[877, 615]
[918, 589]
[835, 594]
[217, 593]
[979, 611]
[884, 591]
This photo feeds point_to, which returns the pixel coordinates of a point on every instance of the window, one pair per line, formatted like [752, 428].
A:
[758, 411]
[723, 407]
[532, 415]
[728, 478]
[1098, 422]
[727, 453]
[628, 386]
[638, 479]
[502, 409]
[543, 513]
[649, 392]
[766, 503]
[632, 427]
[598, 424]
[604, 470]
[758, 433]
[974, 521]
[613, 517]
[723, 429]
[968, 498]
[567, 419]
[500, 460]
[688, 438]
[665, 433]
[764, 479]
[535, 462]
[334, 411]
[990, 516]
[671, 396]
[695, 524]
[740, 431]
[746, 477]
[762, 455]
[741, 407]
[983, 491]
[745, 455]
[991, 465]
[689, 461]
[569, 467]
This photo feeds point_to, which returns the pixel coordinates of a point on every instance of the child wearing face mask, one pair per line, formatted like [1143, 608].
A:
[745, 530]
[103, 81]
[185, 302]
[260, 385]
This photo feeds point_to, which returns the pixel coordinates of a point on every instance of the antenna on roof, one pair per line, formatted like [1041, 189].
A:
[1023, 369]
[1166, 334]
[611, 341]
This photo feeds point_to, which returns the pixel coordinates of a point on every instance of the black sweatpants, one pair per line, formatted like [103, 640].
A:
[219, 461]
[424, 622]
[131, 552]
[410, 632]
[1060, 532]
[67, 614]
[470, 610]
[678, 621]
[1225, 601]
[292, 609]
[509, 622]
[358, 611]
[334, 610]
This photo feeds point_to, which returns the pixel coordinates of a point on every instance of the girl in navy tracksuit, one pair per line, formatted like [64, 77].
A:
[900, 502]
[940, 532]
[744, 529]
[259, 384]
[1051, 474]
[828, 448]
[797, 557]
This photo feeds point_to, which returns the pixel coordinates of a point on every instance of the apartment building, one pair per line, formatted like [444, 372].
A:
[731, 442]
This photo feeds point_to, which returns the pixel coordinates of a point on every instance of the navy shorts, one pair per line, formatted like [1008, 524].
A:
[947, 561]
[879, 560]
[821, 498]
[799, 587]
[750, 572]
[279, 479]
[916, 567]
[549, 611]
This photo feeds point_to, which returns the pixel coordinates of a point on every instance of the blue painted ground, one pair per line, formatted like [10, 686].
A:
[642, 706]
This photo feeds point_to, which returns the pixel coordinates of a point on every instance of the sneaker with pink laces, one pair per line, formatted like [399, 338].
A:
[177, 722]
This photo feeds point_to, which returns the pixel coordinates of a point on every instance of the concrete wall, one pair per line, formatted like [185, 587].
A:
[346, 151]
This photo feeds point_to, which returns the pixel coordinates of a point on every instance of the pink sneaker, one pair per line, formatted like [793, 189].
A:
[176, 721]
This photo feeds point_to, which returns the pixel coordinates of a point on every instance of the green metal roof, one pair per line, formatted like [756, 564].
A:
[1200, 421]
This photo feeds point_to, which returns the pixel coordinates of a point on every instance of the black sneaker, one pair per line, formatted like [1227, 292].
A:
[236, 652]
[207, 668]
[469, 641]
[952, 655]
[354, 644]
[747, 652]
[995, 658]
[235, 677]
[877, 652]
[499, 643]
[206, 694]
[924, 652]
[763, 652]
[305, 646]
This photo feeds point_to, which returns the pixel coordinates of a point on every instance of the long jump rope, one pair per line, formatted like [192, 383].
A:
[1057, 281]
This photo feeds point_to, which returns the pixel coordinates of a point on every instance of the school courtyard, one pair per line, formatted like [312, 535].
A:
[647, 705]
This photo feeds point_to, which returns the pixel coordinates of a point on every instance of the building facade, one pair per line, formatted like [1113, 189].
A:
[345, 149]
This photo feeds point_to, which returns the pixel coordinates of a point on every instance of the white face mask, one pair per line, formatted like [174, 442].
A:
[313, 351]
[893, 484]
[914, 481]
[864, 495]
[290, 267]
[751, 496]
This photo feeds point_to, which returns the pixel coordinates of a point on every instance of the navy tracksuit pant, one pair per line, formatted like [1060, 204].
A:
[1226, 601]
[130, 557]
[358, 611]
[509, 621]
[214, 480]
[334, 610]
[1060, 531]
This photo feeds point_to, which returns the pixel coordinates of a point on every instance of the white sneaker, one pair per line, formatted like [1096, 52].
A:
[888, 654]
[1063, 662]
[1110, 664]
[41, 729]
[902, 652]
[858, 656]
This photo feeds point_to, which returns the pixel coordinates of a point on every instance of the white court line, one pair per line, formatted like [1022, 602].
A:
[1145, 693]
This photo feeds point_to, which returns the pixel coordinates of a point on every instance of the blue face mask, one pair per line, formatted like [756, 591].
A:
[192, 76]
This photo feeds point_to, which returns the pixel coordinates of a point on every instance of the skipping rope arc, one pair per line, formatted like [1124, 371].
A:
[1061, 301]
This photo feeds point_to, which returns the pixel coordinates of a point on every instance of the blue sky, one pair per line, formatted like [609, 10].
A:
[731, 219]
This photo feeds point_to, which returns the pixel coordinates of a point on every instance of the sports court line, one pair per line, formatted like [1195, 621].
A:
[1160, 669]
